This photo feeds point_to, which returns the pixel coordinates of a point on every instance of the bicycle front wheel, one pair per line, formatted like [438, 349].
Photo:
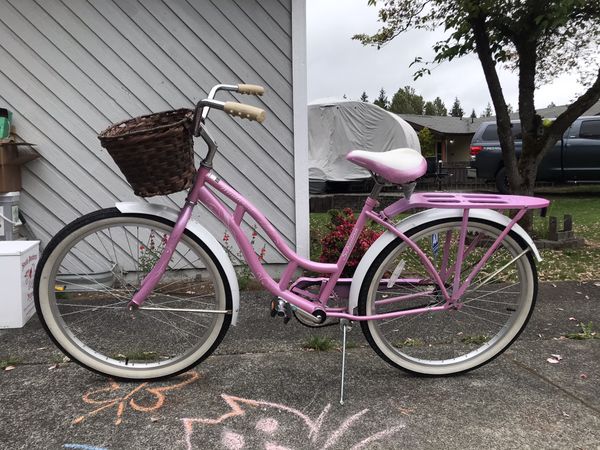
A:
[88, 274]
[486, 320]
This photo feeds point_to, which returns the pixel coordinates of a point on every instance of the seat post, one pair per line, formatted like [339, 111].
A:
[408, 189]
[379, 183]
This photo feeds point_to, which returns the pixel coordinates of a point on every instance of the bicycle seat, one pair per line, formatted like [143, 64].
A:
[399, 166]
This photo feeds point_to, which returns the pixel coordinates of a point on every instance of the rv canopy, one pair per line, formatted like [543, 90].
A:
[335, 128]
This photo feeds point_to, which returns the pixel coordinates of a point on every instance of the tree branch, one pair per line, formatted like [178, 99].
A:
[576, 109]
[484, 52]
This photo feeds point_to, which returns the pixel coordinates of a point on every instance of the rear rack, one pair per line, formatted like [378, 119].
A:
[465, 201]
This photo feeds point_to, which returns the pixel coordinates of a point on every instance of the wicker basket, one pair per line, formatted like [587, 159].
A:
[154, 152]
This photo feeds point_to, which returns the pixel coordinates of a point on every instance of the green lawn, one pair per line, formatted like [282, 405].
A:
[581, 264]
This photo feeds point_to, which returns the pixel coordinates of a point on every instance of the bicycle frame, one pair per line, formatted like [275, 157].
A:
[201, 193]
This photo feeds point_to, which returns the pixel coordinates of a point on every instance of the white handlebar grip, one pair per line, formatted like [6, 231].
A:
[244, 111]
[251, 89]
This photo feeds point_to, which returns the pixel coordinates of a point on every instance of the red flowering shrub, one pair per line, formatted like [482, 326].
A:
[333, 243]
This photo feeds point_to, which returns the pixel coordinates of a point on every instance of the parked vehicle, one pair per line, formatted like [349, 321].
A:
[574, 158]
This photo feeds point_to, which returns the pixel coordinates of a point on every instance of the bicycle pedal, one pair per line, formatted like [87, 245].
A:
[281, 308]
[273, 311]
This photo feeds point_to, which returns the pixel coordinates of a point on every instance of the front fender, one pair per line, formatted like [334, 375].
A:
[419, 219]
[202, 233]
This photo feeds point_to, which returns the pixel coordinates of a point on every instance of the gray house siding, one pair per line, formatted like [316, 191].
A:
[70, 68]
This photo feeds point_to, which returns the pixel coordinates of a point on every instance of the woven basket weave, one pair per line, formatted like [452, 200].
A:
[154, 152]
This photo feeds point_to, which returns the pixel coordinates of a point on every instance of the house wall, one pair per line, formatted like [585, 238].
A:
[70, 68]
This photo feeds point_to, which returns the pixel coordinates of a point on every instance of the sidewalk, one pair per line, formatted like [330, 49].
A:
[261, 390]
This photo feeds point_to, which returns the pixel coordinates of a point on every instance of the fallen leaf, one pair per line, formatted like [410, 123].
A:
[560, 309]
[583, 376]
[66, 359]
[553, 285]
[554, 359]
[573, 319]
[587, 297]
[597, 284]
[153, 419]
[7, 368]
[55, 366]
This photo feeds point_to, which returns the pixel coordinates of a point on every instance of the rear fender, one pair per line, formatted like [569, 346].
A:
[419, 219]
[199, 231]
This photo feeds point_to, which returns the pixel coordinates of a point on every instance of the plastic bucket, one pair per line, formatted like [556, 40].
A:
[9, 216]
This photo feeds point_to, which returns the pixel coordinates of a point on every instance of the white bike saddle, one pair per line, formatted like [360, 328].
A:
[399, 166]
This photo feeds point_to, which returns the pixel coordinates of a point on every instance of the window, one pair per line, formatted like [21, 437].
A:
[491, 132]
[590, 129]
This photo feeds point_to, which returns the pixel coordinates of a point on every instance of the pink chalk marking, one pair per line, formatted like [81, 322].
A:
[236, 410]
[271, 446]
[268, 426]
[377, 437]
[232, 441]
[343, 428]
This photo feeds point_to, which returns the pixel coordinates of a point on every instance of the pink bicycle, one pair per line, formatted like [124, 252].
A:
[142, 291]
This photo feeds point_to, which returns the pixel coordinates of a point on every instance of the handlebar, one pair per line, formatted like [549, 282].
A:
[244, 111]
[233, 108]
[251, 89]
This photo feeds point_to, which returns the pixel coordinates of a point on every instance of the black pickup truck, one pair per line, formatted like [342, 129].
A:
[574, 158]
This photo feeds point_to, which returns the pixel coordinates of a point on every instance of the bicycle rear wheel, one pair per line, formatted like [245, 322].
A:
[87, 275]
[488, 318]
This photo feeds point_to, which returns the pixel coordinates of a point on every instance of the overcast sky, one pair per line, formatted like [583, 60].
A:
[339, 66]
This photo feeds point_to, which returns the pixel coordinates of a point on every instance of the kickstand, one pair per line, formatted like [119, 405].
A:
[345, 326]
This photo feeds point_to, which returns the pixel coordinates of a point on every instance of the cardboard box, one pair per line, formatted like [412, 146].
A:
[11, 160]
[18, 260]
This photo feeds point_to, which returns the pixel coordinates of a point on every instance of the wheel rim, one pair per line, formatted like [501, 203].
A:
[490, 316]
[90, 278]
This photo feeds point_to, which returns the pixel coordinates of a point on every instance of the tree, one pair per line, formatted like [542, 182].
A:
[429, 109]
[406, 101]
[536, 39]
[473, 114]
[382, 100]
[440, 108]
[551, 105]
[456, 110]
[427, 141]
[488, 111]
[364, 97]
[435, 108]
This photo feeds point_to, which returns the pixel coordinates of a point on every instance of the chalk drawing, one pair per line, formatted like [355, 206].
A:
[268, 426]
[112, 396]
[232, 441]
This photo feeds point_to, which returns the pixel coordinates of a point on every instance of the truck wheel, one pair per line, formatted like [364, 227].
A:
[502, 182]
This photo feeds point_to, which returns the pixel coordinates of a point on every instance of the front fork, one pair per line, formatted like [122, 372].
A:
[153, 277]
